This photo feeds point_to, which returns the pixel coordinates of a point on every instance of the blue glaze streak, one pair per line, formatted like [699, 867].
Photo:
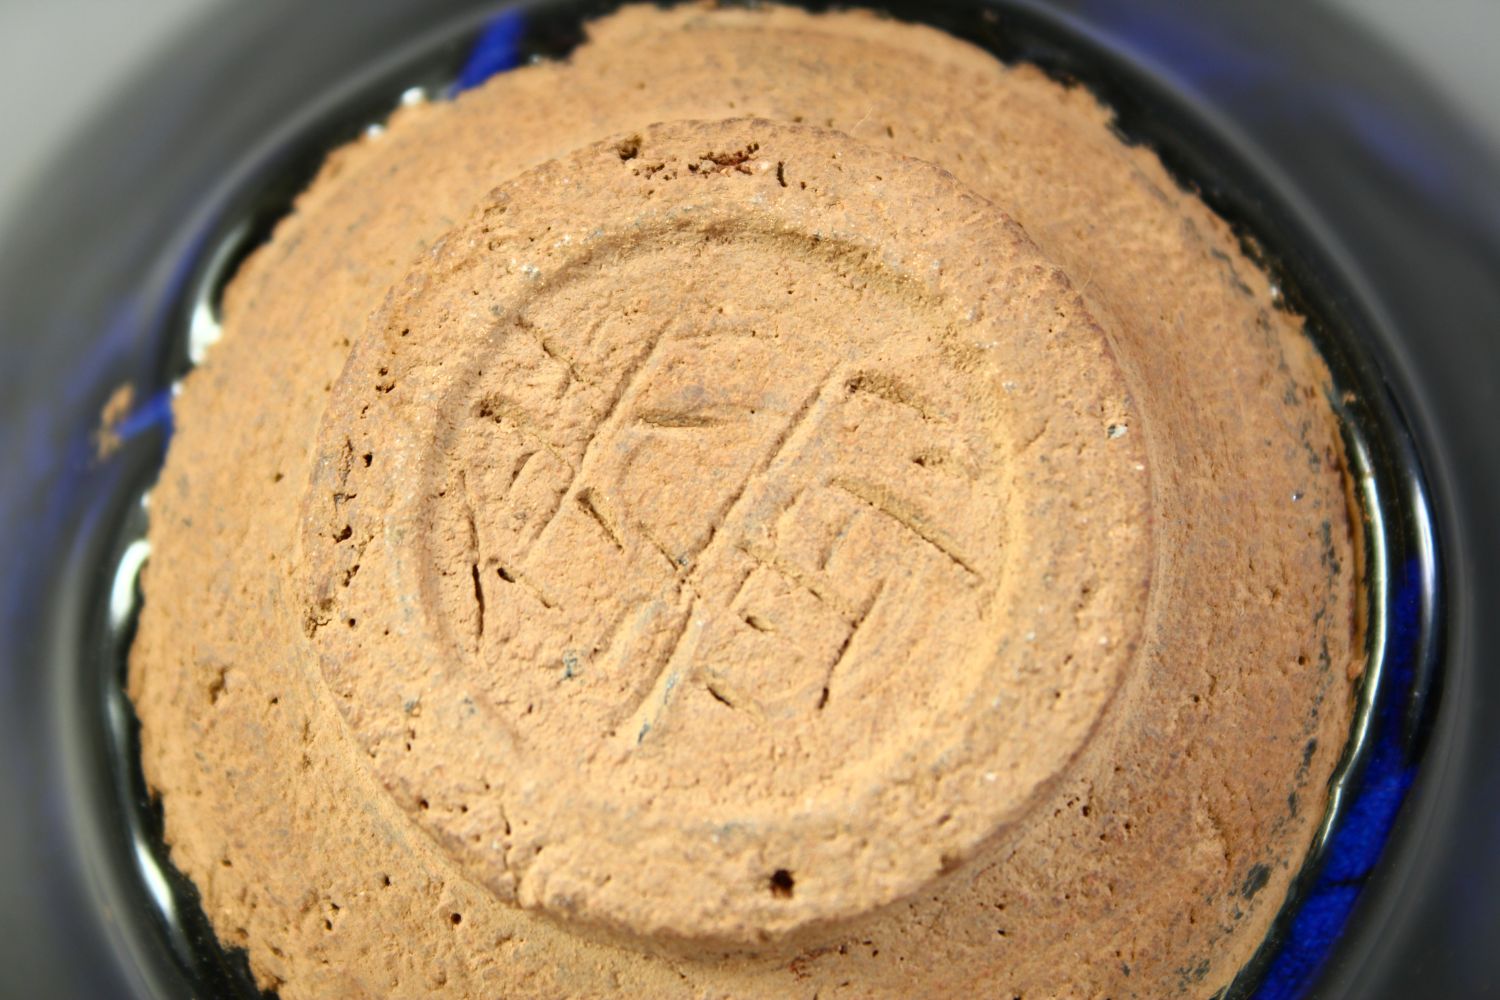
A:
[154, 414]
[1360, 834]
[497, 50]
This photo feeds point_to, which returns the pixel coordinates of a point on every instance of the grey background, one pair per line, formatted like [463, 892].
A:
[60, 59]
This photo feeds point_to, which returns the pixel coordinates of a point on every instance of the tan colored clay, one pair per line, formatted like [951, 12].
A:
[116, 408]
[869, 535]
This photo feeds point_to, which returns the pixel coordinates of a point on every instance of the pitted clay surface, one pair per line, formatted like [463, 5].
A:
[655, 527]
[777, 505]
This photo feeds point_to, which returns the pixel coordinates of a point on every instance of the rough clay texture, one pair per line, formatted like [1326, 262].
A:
[871, 535]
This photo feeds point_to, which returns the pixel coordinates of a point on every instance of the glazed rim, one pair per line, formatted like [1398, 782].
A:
[1384, 478]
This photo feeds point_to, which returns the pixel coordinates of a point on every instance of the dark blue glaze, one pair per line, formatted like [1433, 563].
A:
[497, 49]
[1374, 798]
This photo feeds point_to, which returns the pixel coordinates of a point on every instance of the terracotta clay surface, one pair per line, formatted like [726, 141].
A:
[775, 506]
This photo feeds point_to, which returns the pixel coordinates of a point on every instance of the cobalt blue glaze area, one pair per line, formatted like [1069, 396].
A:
[497, 50]
[1360, 832]
[1371, 202]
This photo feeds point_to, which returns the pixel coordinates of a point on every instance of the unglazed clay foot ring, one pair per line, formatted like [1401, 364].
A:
[705, 608]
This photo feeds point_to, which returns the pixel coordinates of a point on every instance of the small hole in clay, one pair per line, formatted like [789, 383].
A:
[782, 884]
[456, 919]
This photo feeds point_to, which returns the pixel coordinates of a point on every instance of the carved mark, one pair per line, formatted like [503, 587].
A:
[664, 678]
[908, 515]
[801, 418]
[603, 649]
[474, 557]
[518, 468]
[719, 333]
[628, 378]
[510, 577]
[826, 551]
[622, 389]
[723, 690]
[588, 502]
[676, 566]
[739, 588]
[810, 582]
[670, 419]
[548, 348]
[848, 642]
[478, 599]
[889, 388]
